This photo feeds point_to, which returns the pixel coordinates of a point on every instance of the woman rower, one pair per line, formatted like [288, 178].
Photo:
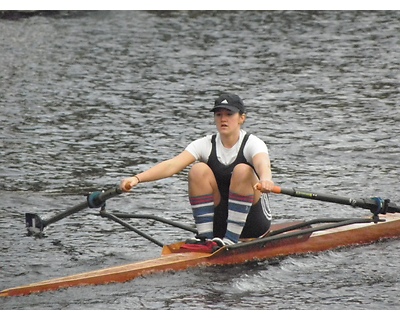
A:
[226, 206]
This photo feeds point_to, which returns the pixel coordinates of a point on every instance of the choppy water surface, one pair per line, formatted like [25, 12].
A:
[88, 98]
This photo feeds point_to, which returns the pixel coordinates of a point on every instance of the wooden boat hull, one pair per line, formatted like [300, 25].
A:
[306, 240]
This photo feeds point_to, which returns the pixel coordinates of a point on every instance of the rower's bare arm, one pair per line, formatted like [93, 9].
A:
[162, 170]
[262, 165]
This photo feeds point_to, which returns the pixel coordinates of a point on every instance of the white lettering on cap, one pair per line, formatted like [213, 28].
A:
[224, 101]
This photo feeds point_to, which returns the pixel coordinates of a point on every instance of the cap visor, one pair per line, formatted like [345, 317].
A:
[224, 106]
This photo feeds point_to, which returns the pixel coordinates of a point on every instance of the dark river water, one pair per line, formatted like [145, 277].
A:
[88, 98]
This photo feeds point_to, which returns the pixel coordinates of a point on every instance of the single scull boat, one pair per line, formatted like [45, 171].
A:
[282, 240]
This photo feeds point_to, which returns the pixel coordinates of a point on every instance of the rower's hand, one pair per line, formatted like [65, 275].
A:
[264, 185]
[128, 183]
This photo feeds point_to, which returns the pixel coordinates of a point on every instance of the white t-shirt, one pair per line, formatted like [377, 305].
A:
[201, 148]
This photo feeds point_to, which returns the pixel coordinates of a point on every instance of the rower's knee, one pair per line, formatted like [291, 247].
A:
[202, 181]
[243, 173]
[199, 171]
[243, 179]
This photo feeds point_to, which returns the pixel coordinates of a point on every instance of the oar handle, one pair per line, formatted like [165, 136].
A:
[127, 186]
[275, 189]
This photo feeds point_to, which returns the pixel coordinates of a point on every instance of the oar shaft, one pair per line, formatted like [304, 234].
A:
[317, 196]
[101, 197]
[65, 214]
[369, 203]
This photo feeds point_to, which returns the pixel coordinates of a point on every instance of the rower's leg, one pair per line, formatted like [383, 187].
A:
[241, 198]
[203, 195]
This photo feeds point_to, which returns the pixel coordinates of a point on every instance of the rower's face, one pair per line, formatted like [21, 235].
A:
[228, 121]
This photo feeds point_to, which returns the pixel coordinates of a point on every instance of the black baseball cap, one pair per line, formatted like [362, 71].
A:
[229, 101]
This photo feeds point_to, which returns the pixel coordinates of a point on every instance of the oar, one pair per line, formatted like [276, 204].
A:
[35, 224]
[376, 205]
